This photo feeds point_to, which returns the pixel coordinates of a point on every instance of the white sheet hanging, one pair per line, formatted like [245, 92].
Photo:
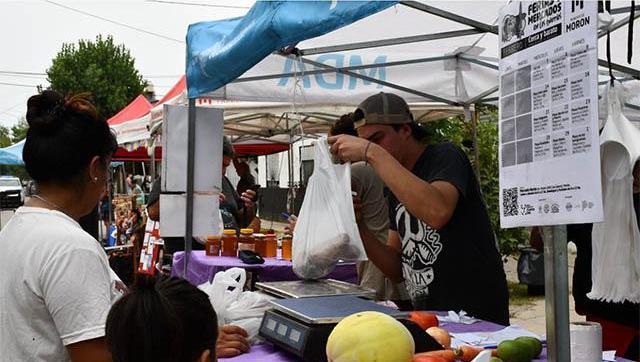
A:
[616, 241]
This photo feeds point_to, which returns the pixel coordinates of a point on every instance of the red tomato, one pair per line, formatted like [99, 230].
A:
[424, 319]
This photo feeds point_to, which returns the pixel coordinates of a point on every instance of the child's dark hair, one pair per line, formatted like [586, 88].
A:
[64, 135]
[161, 320]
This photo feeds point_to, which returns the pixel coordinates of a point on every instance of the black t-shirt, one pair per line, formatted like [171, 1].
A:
[457, 267]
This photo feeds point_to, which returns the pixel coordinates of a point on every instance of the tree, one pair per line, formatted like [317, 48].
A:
[104, 69]
[459, 132]
[5, 137]
[19, 131]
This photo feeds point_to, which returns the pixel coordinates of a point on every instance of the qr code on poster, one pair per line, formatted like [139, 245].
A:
[510, 201]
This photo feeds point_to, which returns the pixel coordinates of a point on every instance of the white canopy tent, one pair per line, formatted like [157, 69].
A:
[443, 52]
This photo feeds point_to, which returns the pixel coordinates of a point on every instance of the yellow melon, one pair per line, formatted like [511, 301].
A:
[370, 337]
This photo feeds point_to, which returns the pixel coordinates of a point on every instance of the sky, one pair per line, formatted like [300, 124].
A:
[32, 33]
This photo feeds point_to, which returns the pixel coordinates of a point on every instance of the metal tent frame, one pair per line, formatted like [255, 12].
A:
[555, 239]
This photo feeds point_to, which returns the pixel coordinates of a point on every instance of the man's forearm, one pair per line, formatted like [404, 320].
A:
[386, 258]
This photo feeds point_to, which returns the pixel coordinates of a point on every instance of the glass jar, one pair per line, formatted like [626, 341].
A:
[213, 245]
[287, 243]
[261, 244]
[229, 243]
[271, 246]
[246, 241]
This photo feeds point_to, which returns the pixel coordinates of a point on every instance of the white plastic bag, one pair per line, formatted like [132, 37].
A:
[326, 229]
[232, 305]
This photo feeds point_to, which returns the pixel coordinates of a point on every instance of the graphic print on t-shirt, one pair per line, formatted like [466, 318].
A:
[420, 249]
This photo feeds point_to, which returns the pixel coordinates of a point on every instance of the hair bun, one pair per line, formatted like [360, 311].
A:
[42, 110]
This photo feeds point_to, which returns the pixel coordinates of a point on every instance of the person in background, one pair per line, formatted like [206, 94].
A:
[620, 321]
[137, 192]
[247, 181]
[129, 184]
[162, 320]
[105, 210]
[374, 212]
[238, 210]
[441, 234]
[57, 287]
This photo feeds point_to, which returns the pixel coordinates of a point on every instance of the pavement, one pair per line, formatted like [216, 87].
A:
[531, 316]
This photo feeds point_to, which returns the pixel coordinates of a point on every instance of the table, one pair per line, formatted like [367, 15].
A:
[203, 268]
[266, 352]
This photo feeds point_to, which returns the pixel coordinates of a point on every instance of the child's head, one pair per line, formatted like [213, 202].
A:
[162, 320]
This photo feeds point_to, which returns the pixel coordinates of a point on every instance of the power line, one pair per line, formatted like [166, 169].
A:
[199, 4]
[19, 85]
[114, 22]
[20, 73]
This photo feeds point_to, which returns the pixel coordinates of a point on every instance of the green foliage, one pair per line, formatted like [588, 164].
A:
[104, 69]
[460, 133]
[5, 137]
[19, 131]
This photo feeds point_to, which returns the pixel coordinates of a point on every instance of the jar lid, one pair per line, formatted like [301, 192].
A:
[258, 235]
[213, 237]
[246, 231]
[229, 232]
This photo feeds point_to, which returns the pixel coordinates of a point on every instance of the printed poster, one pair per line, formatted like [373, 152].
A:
[549, 146]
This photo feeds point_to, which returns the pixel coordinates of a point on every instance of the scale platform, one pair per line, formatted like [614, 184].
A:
[314, 288]
[302, 325]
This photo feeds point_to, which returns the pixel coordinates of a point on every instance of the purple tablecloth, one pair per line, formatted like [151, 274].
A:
[268, 353]
[203, 268]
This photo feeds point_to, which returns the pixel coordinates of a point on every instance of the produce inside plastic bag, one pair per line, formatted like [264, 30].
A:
[326, 229]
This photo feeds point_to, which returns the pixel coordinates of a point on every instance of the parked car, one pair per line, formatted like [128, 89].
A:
[11, 192]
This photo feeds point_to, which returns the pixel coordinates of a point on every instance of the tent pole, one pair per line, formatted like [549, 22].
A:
[451, 16]
[191, 136]
[556, 287]
[290, 195]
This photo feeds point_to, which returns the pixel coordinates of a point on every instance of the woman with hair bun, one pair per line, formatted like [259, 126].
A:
[56, 286]
[165, 320]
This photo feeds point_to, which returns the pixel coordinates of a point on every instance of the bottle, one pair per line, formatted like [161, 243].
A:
[246, 241]
[271, 246]
[287, 243]
[229, 243]
[261, 244]
[213, 245]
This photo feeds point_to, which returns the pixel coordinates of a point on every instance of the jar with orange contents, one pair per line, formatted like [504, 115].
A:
[287, 243]
[246, 241]
[229, 243]
[261, 244]
[213, 245]
[271, 246]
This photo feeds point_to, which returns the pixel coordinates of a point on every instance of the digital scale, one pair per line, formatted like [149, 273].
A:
[301, 324]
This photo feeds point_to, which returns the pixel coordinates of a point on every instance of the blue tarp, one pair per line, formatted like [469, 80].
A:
[12, 155]
[220, 51]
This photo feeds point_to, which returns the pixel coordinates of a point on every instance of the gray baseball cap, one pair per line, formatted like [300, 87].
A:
[383, 108]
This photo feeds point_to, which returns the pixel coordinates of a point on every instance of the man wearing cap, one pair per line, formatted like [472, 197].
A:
[440, 239]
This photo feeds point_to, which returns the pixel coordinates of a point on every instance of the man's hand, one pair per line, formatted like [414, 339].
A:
[248, 198]
[349, 148]
[232, 341]
[222, 197]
